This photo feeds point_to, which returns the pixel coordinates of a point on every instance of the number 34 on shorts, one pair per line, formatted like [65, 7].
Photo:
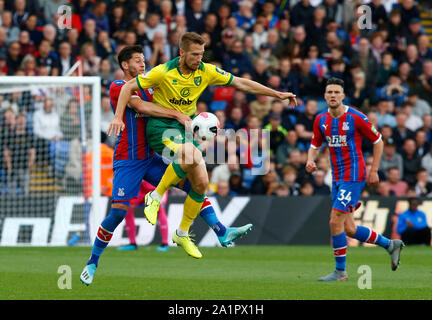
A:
[346, 195]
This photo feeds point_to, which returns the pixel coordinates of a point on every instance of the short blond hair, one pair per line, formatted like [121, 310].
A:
[188, 38]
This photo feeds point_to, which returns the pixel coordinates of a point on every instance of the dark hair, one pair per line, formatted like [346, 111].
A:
[126, 53]
[336, 81]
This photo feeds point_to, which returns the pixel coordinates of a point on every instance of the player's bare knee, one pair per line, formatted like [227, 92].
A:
[201, 185]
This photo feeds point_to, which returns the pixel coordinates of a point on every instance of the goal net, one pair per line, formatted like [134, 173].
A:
[50, 159]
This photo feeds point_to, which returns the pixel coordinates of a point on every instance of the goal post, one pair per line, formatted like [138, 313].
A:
[45, 196]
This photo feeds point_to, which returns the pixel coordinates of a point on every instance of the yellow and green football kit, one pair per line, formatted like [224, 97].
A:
[173, 90]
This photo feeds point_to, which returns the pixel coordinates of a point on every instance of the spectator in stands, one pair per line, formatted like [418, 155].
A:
[195, 16]
[412, 225]
[307, 189]
[259, 35]
[223, 172]
[236, 62]
[413, 121]
[46, 122]
[385, 68]
[425, 79]
[390, 158]
[223, 189]
[20, 13]
[289, 178]
[414, 31]
[31, 27]
[315, 29]
[14, 58]
[238, 101]
[425, 51]
[304, 124]
[394, 90]
[277, 132]
[48, 58]
[394, 184]
[366, 60]
[426, 163]
[244, 15]
[50, 8]
[28, 65]
[236, 183]
[12, 32]
[157, 51]
[8, 122]
[362, 94]
[379, 14]
[401, 132]
[427, 126]
[98, 14]
[288, 78]
[260, 107]
[412, 161]
[104, 45]
[265, 184]
[89, 32]
[384, 113]
[423, 186]
[19, 154]
[320, 188]
[27, 46]
[235, 120]
[90, 61]
[310, 86]
[260, 72]
[420, 106]
[386, 132]
[301, 12]
[422, 143]
[70, 121]
[65, 60]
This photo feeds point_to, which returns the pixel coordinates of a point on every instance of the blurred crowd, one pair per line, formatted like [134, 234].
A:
[292, 45]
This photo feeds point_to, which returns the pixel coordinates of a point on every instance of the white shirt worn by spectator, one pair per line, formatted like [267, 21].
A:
[47, 125]
[106, 118]
[414, 122]
[220, 173]
[427, 164]
[159, 28]
[421, 108]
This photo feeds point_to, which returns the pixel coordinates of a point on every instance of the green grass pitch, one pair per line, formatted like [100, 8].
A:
[238, 273]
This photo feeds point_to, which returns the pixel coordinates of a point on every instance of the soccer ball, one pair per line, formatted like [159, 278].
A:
[205, 126]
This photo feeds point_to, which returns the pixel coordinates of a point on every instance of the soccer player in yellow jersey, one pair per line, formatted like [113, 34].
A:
[177, 85]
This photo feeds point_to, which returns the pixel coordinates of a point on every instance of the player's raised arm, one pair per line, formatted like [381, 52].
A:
[127, 89]
[254, 87]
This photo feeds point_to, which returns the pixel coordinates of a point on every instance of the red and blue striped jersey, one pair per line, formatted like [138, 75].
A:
[344, 138]
[131, 143]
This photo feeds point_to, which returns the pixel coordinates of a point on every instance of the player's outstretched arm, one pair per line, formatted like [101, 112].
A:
[373, 177]
[312, 155]
[126, 91]
[254, 87]
[154, 110]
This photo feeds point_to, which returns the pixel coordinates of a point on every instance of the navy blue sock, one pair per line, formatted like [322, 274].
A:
[105, 233]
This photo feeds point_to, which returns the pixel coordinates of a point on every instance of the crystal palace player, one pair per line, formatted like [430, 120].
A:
[343, 128]
[134, 161]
